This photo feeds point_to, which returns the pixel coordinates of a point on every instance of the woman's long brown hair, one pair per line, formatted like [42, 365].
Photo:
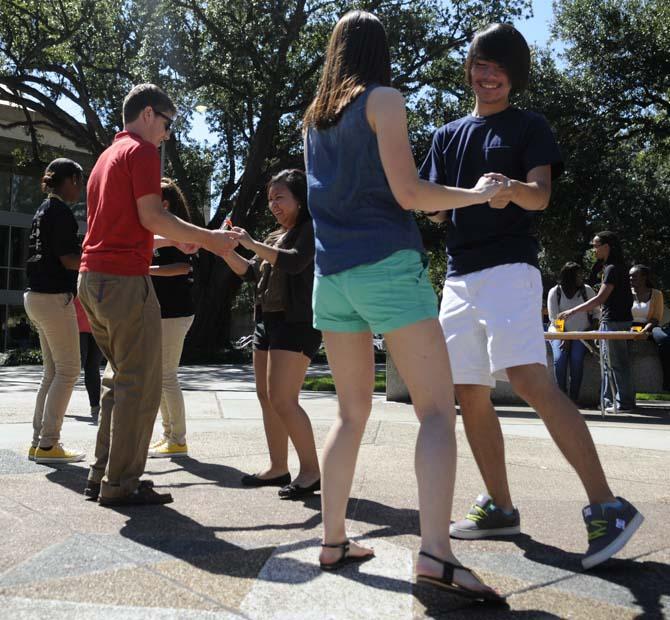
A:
[357, 56]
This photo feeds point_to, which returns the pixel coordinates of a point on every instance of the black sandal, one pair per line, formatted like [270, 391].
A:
[344, 558]
[446, 582]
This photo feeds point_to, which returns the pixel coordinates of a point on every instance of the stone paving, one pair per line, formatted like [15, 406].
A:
[221, 551]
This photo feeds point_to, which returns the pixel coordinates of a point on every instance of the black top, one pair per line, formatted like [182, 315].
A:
[174, 292]
[53, 234]
[296, 260]
[511, 142]
[619, 303]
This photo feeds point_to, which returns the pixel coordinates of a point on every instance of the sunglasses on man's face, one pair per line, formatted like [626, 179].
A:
[168, 120]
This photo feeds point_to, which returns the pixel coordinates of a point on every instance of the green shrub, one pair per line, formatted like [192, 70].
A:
[21, 357]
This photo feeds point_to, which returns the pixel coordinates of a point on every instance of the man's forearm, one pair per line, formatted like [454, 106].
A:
[532, 196]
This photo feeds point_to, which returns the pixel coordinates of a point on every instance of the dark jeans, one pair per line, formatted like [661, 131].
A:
[91, 356]
[571, 356]
[619, 360]
[661, 336]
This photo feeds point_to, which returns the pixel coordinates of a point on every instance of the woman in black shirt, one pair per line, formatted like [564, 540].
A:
[616, 300]
[284, 339]
[172, 276]
[52, 266]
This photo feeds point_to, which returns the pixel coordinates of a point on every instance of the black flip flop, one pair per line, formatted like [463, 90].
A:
[344, 558]
[446, 582]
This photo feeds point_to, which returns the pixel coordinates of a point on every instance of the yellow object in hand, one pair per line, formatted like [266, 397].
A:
[559, 324]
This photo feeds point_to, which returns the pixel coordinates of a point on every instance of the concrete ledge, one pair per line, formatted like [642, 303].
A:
[647, 377]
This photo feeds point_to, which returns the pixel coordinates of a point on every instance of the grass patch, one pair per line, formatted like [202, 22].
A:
[325, 383]
[646, 396]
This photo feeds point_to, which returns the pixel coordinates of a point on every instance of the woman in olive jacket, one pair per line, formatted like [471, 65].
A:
[284, 340]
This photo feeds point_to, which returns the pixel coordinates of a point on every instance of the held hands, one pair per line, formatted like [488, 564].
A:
[244, 238]
[222, 241]
[506, 194]
[566, 314]
[487, 187]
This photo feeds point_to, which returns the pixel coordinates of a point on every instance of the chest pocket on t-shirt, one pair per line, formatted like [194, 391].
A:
[499, 159]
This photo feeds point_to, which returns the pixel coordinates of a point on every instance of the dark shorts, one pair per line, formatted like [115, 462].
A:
[273, 332]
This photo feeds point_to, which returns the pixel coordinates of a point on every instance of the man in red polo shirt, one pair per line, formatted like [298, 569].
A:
[124, 212]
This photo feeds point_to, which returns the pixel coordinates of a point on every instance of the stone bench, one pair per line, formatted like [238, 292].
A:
[647, 377]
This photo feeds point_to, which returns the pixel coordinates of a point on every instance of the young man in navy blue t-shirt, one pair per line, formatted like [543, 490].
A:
[491, 306]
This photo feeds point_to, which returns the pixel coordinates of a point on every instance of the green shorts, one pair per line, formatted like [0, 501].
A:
[377, 297]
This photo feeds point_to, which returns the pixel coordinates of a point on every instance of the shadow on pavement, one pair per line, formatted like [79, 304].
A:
[647, 581]
[166, 530]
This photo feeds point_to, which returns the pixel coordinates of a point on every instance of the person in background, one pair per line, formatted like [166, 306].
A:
[53, 261]
[284, 340]
[568, 293]
[172, 276]
[648, 309]
[616, 300]
[91, 356]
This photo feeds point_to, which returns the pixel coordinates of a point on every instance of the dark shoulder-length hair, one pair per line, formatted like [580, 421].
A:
[568, 276]
[357, 56]
[616, 256]
[177, 204]
[296, 182]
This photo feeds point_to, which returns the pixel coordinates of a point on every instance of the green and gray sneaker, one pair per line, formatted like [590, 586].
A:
[486, 520]
[609, 528]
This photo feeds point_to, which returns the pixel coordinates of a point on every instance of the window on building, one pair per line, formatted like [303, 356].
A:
[26, 194]
[5, 190]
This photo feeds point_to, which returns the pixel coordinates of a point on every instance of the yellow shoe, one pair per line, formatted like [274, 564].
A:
[31, 453]
[58, 454]
[157, 444]
[169, 450]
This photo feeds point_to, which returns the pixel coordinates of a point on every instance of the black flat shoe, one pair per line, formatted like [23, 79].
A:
[92, 490]
[293, 491]
[252, 480]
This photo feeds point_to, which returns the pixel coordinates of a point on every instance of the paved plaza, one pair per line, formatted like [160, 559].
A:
[221, 551]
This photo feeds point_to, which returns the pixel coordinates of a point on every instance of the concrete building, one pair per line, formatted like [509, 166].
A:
[20, 196]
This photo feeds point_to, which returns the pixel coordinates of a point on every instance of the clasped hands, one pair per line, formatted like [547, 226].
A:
[228, 240]
[504, 189]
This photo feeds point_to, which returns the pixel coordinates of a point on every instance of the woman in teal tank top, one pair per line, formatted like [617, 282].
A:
[370, 277]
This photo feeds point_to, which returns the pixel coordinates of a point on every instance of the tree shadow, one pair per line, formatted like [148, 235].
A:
[647, 581]
[220, 475]
[168, 531]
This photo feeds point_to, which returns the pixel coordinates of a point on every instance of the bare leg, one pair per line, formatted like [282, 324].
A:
[351, 361]
[565, 425]
[420, 354]
[286, 374]
[485, 437]
[275, 431]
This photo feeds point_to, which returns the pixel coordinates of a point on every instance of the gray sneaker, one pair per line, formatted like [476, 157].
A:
[609, 530]
[485, 520]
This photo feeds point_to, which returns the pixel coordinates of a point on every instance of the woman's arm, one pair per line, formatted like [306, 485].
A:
[173, 269]
[602, 296]
[238, 264]
[655, 310]
[70, 261]
[552, 303]
[291, 260]
[387, 117]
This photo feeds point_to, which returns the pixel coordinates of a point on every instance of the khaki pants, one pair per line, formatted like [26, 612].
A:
[126, 323]
[172, 400]
[54, 316]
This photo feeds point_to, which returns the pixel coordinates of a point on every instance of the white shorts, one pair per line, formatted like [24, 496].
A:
[492, 320]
